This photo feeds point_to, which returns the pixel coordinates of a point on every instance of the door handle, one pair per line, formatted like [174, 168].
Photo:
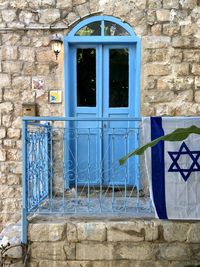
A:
[105, 125]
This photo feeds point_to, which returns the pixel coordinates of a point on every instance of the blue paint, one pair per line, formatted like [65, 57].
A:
[102, 44]
[29, 119]
[38, 166]
[114, 140]
[102, 39]
[24, 185]
[158, 168]
[137, 79]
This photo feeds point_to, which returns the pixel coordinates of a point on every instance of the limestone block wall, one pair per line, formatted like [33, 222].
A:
[170, 75]
[139, 243]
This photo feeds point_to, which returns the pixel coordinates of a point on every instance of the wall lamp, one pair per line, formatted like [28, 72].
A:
[56, 44]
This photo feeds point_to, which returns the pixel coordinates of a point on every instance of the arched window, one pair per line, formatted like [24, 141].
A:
[103, 26]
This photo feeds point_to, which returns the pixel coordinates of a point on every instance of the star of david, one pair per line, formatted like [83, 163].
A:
[175, 156]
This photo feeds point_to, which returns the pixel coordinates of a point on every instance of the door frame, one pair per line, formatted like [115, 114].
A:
[72, 40]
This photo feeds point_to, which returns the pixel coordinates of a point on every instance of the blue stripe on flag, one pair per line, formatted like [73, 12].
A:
[158, 168]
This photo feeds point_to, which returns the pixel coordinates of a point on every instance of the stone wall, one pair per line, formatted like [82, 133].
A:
[170, 80]
[139, 243]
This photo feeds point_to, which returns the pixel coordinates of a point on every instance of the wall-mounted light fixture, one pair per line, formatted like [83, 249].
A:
[56, 44]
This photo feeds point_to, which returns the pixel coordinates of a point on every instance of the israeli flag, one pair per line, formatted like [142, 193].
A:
[173, 168]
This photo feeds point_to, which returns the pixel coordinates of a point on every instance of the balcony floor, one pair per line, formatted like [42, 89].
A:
[95, 204]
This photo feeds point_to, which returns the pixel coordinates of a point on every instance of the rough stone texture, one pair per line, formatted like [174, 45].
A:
[82, 10]
[21, 4]
[13, 133]
[193, 234]
[175, 252]
[98, 251]
[8, 52]
[12, 66]
[8, 15]
[5, 80]
[160, 96]
[27, 54]
[151, 230]
[163, 15]
[133, 231]
[2, 133]
[91, 231]
[196, 69]
[173, 244]
[111, 251]
[66, 5]
[170, 85]
[171, 29]
[2, 155]
[44, 56]
[49, 15]
[175, 232]
[156, 42]
[48, 3]
[157, 70]
[53, 250]
[21, 83]
[6, 107]
[121, 263]
[153, 4]
[13, 180]
[171, 4]
[72, 235]
[64, 264]
[197, 96]
[49, 232]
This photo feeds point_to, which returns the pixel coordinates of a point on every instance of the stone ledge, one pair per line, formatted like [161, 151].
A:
[107, 242]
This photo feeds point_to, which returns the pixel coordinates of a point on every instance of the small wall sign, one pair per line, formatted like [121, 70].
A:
[55, 96]
[37, 84]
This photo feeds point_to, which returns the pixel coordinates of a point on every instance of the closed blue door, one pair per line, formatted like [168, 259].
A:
[102, 85]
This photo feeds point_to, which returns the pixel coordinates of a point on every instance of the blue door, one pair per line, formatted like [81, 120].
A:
[102, 56]
[102, 87]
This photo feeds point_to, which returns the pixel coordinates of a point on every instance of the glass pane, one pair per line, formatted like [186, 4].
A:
[112, 29]
[119, 77]
[93, 28]
[86, 77]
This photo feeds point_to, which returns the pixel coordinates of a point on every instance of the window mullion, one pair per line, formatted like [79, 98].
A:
[102, 28]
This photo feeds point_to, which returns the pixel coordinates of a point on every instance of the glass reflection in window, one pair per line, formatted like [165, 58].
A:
[86, 77]
[118, 77]
[92, 29]
[112, 29]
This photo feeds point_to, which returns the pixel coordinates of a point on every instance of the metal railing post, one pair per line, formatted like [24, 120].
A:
[24, 182]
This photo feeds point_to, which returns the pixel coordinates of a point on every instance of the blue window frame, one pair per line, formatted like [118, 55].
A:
[102, 38]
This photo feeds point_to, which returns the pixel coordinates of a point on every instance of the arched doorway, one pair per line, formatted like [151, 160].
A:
[102, 80]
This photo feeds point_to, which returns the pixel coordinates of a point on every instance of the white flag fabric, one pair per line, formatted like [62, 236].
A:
[173, 168]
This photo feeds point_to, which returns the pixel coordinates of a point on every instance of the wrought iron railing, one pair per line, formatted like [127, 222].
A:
[71, 166]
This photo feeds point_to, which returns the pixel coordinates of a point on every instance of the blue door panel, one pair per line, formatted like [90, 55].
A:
[87, 156]
[117, 139]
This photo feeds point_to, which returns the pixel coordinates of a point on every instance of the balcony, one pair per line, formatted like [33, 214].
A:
[71, 166]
